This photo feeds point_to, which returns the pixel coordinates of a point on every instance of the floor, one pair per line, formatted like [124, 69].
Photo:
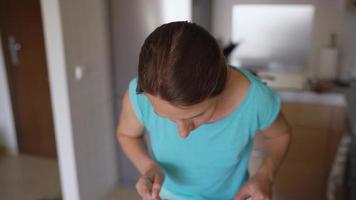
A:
[303, 175]
[28, 178]
[125, 193]
[305, 171]
[32, 178]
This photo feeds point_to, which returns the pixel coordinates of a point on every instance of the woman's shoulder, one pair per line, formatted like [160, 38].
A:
[264, 101]
[140, 103]
[240, 82]
[249, 85]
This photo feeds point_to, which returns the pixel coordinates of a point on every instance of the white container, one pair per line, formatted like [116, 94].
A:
[284, 80]
[328, 63]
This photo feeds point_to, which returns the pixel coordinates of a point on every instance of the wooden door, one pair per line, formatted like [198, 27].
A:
[25, 59]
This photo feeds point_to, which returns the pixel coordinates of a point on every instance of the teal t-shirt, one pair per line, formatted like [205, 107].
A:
[212, 162]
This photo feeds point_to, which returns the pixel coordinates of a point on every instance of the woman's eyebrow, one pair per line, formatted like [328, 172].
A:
[198, 115]
[182, 119]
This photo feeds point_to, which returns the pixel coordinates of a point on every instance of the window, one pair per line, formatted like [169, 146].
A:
[272, 36]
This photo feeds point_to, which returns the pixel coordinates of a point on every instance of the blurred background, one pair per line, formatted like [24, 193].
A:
[65, 64]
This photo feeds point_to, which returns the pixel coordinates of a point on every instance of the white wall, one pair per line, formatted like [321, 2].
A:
[202, 13]
[58, 83]
[87, 43]
[330, 17]
[7, 127]
[77, 33]
[347, 34]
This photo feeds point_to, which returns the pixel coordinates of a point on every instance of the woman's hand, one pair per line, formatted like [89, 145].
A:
[259, 187]
[277, 138]
[149, 184]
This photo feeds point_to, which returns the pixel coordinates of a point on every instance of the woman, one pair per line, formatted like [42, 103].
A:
[201, 116]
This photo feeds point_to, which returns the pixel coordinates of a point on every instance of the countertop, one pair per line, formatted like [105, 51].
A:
[350, 97]
[345, 97]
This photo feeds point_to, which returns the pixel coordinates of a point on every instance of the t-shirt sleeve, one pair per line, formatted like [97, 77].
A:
[136, 100]
[268, 104]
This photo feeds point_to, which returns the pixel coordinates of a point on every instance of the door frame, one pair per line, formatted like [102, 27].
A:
[8, 128]
[58, 83]
[54, 45]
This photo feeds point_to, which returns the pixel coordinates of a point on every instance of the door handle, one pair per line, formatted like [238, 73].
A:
[14, 47]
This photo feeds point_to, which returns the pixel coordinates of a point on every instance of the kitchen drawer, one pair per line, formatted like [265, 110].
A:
[309, 115]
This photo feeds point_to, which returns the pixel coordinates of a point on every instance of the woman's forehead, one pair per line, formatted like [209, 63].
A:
[166, 109]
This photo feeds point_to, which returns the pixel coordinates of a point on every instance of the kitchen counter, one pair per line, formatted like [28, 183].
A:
[350, 96]
[344, 97]
[309, 97]
[349, 101]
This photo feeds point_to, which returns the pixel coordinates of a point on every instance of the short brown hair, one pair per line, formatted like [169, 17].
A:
[181, 63]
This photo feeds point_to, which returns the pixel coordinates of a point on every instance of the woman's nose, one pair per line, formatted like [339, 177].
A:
[184, 127]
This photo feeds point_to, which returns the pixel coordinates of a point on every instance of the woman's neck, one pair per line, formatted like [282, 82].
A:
[236, 89]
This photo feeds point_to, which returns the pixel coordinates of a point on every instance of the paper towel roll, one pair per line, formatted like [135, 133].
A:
[328, 63]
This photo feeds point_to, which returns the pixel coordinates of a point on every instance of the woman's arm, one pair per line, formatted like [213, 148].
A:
[276, 139]
[130, 136]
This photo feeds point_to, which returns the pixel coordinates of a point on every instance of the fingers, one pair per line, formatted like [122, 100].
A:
[239, 196]
[243, 197]
[156, 188]
[144, 187]
[249, 193]
[244, 194]
[147, 190]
